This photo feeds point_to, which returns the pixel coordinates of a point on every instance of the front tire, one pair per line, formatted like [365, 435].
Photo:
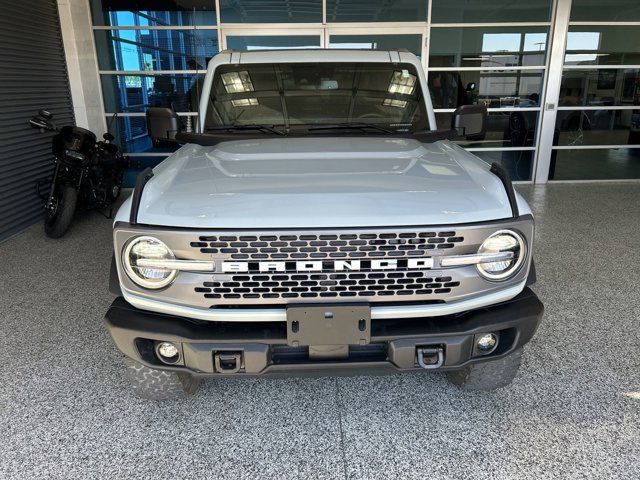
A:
[59, 216]
[153, 384]
[489, 375]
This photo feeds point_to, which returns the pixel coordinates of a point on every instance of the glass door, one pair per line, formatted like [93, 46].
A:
[272, 38]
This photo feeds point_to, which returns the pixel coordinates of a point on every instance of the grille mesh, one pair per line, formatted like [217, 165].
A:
[327, 285]
[348, 245]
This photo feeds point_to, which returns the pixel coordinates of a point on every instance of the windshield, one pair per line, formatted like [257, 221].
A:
[296, 95]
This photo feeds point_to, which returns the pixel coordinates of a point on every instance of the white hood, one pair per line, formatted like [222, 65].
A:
[320, 182]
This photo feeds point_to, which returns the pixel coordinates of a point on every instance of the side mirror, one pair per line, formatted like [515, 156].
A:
[39, 123]
[45, 114]
[108, 137]
[163, 124]
[470, 121]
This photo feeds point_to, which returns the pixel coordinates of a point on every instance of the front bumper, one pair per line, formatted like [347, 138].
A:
[261, 347]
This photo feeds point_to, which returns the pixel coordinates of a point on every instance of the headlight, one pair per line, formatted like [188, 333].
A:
[148, 248]
[503, 241]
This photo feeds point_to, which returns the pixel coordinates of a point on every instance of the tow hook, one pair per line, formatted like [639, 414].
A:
[430, 357]
[228, 362]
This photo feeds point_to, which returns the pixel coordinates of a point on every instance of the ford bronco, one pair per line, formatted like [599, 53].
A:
[318, 222]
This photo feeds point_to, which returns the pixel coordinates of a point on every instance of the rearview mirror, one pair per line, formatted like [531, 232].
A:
[163, 124]
[470, 121]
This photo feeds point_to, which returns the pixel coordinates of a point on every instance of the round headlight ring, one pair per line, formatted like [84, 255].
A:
[134, 274]
[517, 264]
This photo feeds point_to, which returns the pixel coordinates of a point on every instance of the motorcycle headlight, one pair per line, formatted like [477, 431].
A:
[503, 241]
[148, 248]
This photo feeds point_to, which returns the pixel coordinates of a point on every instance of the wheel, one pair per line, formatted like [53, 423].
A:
[60, 210]
[489, 375]
[155, 384]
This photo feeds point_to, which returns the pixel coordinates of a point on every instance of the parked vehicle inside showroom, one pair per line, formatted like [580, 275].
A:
[319, 222]
[88, 173]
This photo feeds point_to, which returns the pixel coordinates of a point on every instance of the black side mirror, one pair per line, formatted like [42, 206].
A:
[39, 123]
[108, 137]
[45, 114]
[470, 121]
[163, 123]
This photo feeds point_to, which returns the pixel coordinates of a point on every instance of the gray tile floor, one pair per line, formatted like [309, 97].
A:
[573, 412]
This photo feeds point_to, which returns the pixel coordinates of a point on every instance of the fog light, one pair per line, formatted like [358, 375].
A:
[168, 351]
[487, 342]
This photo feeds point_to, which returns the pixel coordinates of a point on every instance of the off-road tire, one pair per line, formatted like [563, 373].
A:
[155, 384]
[58, 225]
[487, 376]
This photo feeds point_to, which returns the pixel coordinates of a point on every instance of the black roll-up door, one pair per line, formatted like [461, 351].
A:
[33, 76]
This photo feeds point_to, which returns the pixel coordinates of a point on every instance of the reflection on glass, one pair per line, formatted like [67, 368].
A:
[155, 49]
[134, 93]
[272, 42]
[519, 88]
[601, 87]
[137, 165]
[597, 127]
[490, 11]
[609, 11]
[131, 136]
[518, 163]
[603, 45]
[153, 13]
[488, 47]
[503, 129]
[595, 164]
[315, 94]
[376, 10]
[270, 11]
[412, 43]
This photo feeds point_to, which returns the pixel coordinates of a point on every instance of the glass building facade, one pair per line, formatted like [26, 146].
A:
[560, 78]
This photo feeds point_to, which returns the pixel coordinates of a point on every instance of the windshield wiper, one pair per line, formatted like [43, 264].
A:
[346, 126]
[250, 126]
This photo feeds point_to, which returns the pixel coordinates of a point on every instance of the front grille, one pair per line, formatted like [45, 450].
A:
[266, 268]
[328, 285]
[310, 246]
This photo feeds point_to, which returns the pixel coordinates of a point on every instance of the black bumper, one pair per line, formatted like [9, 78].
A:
[262, 347]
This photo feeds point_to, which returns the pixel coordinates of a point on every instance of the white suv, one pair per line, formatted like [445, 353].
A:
[319, 222]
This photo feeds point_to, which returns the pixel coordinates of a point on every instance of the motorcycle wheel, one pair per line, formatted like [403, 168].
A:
[58, 217]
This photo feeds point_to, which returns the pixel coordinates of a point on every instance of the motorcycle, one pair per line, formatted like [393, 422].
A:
[88, 173]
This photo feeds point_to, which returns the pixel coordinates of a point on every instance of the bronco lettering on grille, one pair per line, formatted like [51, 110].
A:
[320, 265]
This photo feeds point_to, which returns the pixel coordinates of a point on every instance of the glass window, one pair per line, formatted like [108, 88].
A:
[134, 93]
[270, 11]
[605, 11]
[595, 164]
[153, 13]
[504, 129]
[488, 46]
[131, 136]
[519, 163]
[490, 11]
[597, 127]
[272, 42]
[596, 45]
[515, 88]
[137, 165]
[316, 94]
[376, 10]
[601, 87]
[155, 49]
[413, 43]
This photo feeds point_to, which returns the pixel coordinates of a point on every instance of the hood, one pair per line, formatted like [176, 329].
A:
[322, 183]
